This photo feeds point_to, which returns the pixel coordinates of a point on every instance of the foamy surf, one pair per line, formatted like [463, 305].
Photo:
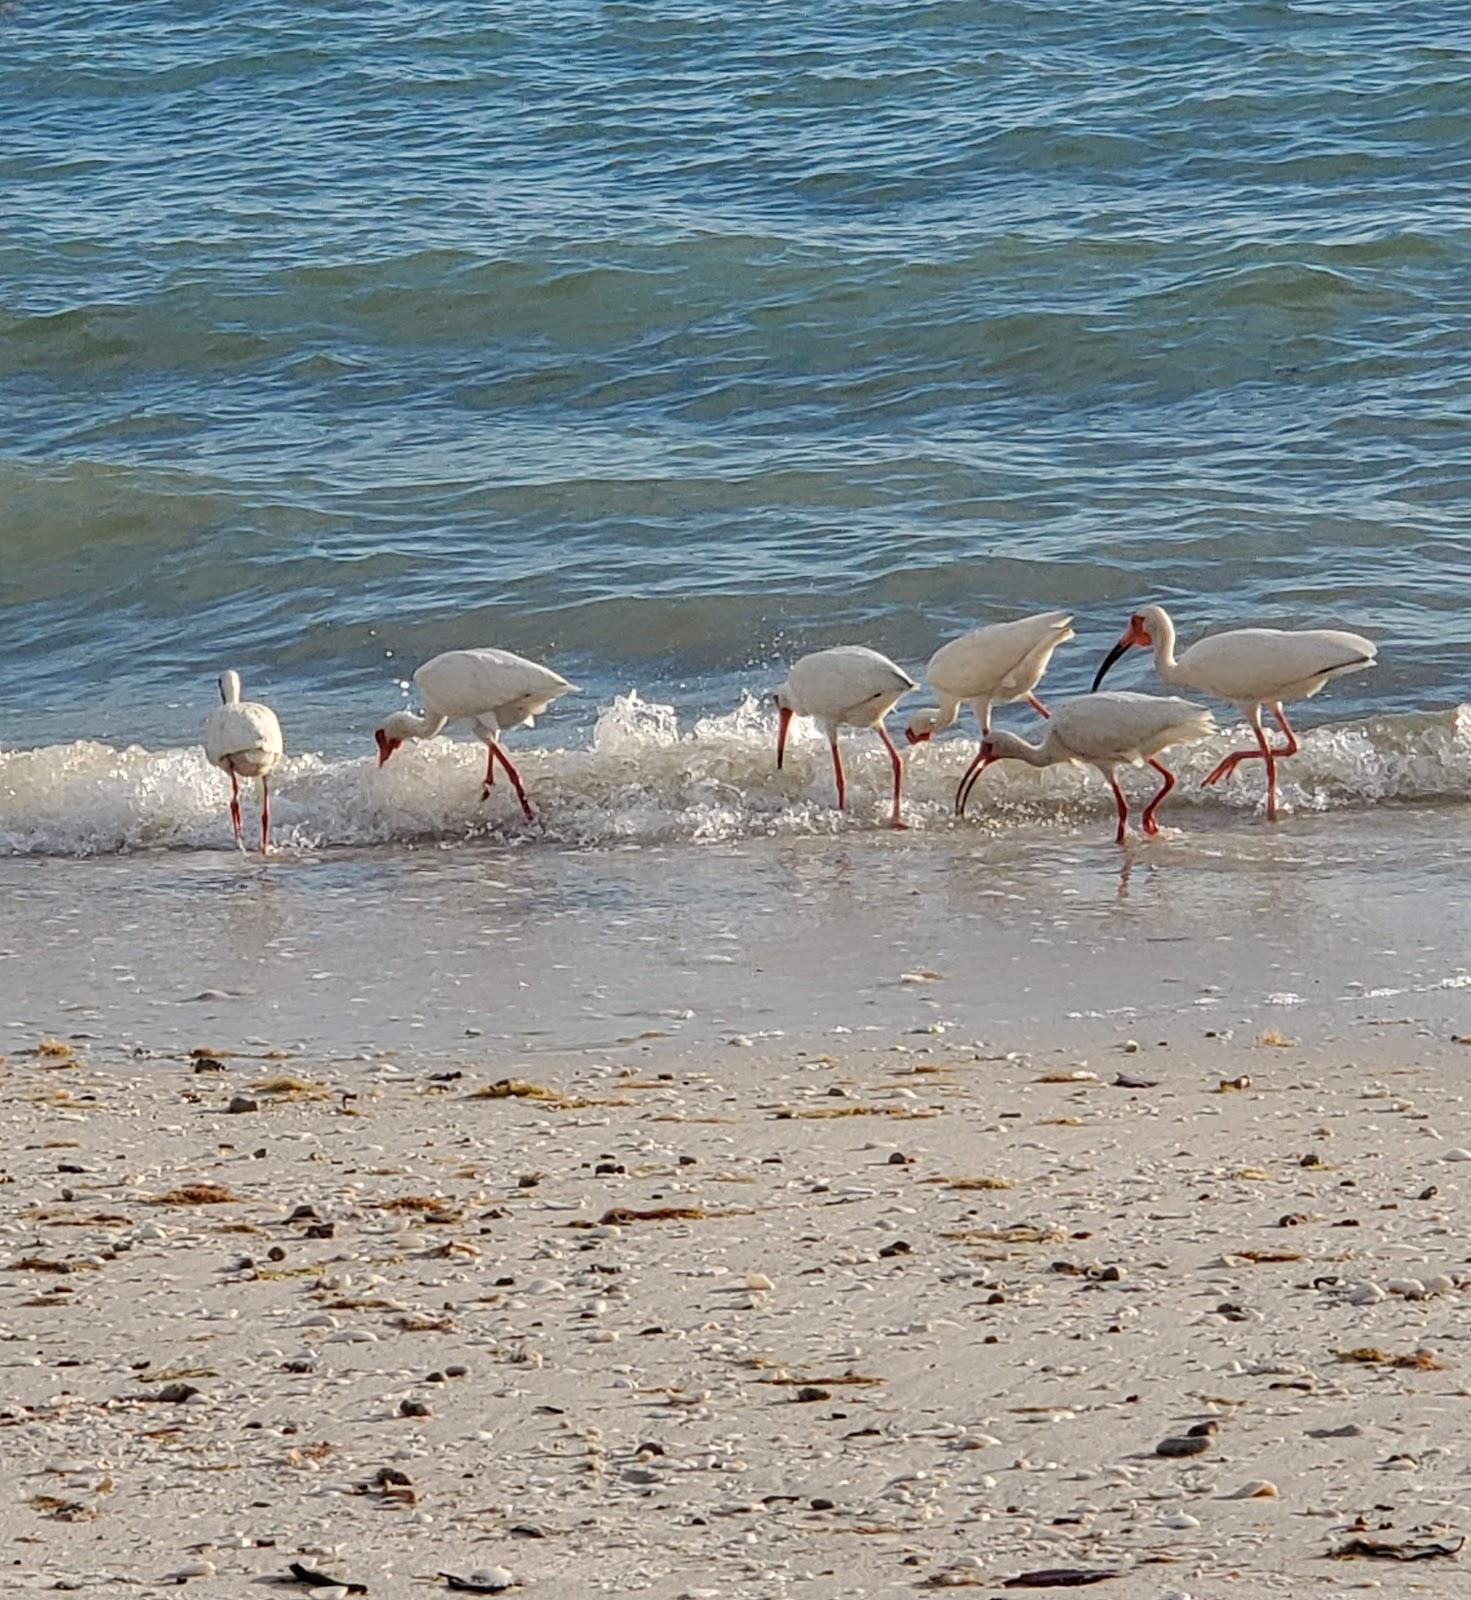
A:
[644, 779]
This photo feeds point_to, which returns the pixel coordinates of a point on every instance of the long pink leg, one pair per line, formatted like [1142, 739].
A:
[1263, 752]
[265, 816]
[1123, 806]
[896, 821]
[235, 804]
[1274, 756]
[496, 752]
[1292, 746]
[1149, 824]
[1038, 707]
[838, 769]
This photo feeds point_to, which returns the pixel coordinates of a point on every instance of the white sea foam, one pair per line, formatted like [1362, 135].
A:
[641, 778]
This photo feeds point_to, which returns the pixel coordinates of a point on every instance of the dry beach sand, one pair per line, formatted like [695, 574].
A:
[779, 1320]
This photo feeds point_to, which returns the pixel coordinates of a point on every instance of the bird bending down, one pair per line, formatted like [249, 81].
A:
[988, 667]
[243, 738]
[1104, 731]
[848, 686]
[1252, 668]
[492, 690]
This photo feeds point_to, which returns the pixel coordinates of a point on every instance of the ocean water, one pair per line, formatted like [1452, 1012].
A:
[665, 343]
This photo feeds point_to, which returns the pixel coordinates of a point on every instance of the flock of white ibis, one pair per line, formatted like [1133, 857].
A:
[1254, 669]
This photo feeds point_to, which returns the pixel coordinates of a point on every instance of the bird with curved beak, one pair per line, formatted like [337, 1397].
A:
[852, 686]
[492, 690]
[1251, 667]
[1102, 731]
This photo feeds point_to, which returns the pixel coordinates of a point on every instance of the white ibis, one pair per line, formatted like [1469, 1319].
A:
[243, 738]
[1252, 668]
[848, 686]
[492, 690]
[1104, 731]
[987, 667]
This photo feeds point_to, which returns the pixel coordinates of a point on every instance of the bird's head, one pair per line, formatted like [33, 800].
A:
[921, 726]
[386, 744]
[1139, 632]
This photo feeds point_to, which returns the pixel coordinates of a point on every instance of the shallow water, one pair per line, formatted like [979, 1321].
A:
[645, 778]
[1000, 936]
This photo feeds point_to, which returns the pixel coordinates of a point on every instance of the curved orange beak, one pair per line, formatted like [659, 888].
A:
[386, 746]
[918, 738]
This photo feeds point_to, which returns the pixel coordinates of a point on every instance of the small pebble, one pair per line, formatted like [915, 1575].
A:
[1191, 1445]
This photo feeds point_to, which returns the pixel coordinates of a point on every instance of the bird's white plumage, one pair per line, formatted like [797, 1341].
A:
[1119, 727]
[488, 685]
[1250, 665]
[493, 690]
[848, 685]
[1255, 666]
[242, 735]
[1104, 731]
[995, 664]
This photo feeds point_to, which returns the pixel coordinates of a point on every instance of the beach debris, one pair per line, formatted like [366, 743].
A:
[827, 1380]
[1062, 1577]
[827, 1113]
[1015, 1233]
[620, 1216]
[520, 1089]
[1254, 1489]
[313, 1579]
[173, 1394]
[1359, 1547]
[1127, 1080]
[1233, 1085]
[1190, 1444]
[1372, 1355]
[290, 1088]
[195, 1194]
[240, 1104]
[484, 1580]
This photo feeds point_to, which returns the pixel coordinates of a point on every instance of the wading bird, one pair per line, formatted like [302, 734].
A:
[492, 690]
[243, 738]
[988, 667]
[1252, 668]
[850, 686]
[1103, 731]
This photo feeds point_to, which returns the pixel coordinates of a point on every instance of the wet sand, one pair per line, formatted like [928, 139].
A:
[807, 1317]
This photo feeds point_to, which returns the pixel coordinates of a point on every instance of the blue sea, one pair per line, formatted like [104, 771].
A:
[664, 343]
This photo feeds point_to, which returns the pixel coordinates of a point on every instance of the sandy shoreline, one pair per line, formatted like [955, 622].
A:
[933, 1311]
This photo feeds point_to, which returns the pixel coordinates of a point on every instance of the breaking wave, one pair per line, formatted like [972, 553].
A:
[642, 778]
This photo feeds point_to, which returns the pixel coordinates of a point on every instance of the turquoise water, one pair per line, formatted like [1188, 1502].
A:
[663, 342]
